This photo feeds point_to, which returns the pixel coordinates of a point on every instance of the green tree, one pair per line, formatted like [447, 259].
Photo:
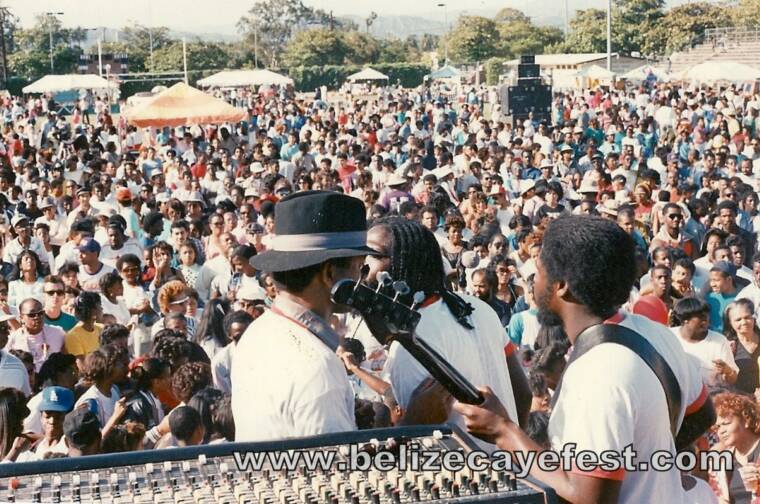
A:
[200, 56]
[270, 24]
[587, 32]
[142, 38]
[398, 51]
[363, 47]
[746, 13]
[521, 36]
[31, 56]
[634, 21]
[681, 24]
[474, 38]
[319, 46]
[509, 15]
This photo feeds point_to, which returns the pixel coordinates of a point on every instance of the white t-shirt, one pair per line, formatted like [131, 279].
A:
[478, 354]
[287, 383]
[106, 405]
[119, 309]
[33, 422]
[714, 346]
[89, 282]
[13, 373]
[751, 292]
[610, 398]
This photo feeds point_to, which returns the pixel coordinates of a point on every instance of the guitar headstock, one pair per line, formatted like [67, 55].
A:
[386, 317]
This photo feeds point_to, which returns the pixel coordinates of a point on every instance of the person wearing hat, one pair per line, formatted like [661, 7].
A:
[532, 201]
[24, 240]
[395, 194]
[59, 231]
[566, 161]
[124, 200]
[319, 238]
[56, 403]
[92, 267]
[84, 208]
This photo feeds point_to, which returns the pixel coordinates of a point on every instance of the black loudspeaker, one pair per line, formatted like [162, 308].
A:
[523, 99]
[527, 59]
[528, 71]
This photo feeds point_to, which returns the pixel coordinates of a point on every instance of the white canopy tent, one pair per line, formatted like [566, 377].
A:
[646, 72]
[368, 74]
[243, 78]
[447, 72]
[711, 71]
[68, 82]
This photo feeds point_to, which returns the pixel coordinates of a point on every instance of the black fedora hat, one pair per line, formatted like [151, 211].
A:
[311, 227]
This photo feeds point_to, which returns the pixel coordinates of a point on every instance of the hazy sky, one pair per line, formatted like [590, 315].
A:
[197, 14]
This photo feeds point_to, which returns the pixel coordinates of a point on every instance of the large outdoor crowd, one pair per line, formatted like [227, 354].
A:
[126, 281]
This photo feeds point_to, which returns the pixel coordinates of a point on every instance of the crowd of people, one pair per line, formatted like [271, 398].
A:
[137, 263]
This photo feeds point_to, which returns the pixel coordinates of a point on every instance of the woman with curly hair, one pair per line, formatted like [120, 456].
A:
[173, 297]
[738, 429]
[29, 283]
[84, 337]
[189, 379]
[740, 328]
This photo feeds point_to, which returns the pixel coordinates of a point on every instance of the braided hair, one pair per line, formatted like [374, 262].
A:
[416, 259]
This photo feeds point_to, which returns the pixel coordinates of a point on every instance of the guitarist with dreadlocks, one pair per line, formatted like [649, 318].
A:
[463, 329]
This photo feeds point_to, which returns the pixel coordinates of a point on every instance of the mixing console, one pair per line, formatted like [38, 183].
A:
[210, 474]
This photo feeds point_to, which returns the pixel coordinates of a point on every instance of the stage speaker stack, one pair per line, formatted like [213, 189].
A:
[530, 94]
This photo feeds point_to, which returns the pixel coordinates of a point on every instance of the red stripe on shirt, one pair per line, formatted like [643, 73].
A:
[698, 403]
[618, 475]
[509, 349]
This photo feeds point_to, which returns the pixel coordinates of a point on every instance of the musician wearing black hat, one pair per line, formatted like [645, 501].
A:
[288, 380]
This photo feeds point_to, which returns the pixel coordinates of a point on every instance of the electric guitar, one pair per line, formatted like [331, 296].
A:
[390, 320]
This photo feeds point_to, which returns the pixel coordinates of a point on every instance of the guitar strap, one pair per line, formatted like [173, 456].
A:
[617, 334]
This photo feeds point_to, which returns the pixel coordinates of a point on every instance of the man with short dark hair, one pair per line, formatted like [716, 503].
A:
[584, 274]
[727, 212]
[186, 426]
[671, 233]
[319, 238]
[53, 288]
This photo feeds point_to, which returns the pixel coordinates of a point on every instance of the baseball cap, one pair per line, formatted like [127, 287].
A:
[250, 293]
[18, 219]
[89, 245]
[82, 190]
[81, 427]
[123, 194]
[724, 267]
[57, 399]
[46, 203]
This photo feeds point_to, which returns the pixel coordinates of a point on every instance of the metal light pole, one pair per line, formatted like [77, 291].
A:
[609, 35]
[51, 16]
[445, 33]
